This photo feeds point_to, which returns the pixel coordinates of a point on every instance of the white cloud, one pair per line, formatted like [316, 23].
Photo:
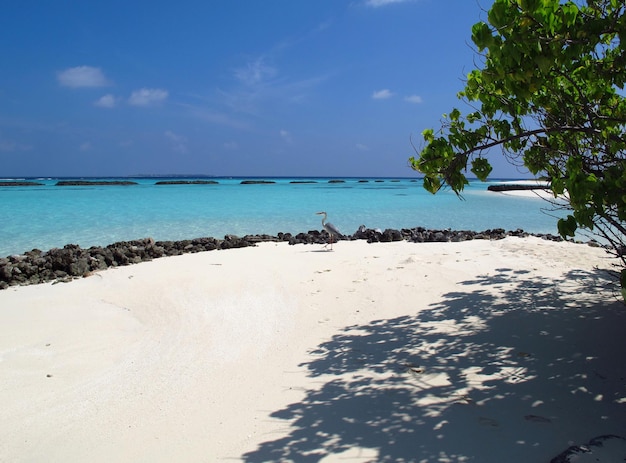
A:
[179, 143]
[255, 72]
[231, 145]
[82, 76]
[147, 96]
[214, 117]
[106, 101]
[85, 146]
[286, 136]
[382, 94]
[362, 147]
[377, 3]
[10, 146]
[414, 99]
[324, 25]
[257, 82]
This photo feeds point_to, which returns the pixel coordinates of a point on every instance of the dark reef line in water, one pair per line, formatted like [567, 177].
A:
[29, 183]
[24, 183]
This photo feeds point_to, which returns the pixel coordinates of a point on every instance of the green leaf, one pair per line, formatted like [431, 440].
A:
[429, 135]
[481, 168]
[529, 5]
[481, 35]
[498, 13]
[474, 117]
[570, 14]
[567, 227]
[432, 184]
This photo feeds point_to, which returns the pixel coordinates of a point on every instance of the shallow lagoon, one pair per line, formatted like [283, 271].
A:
[51, 216]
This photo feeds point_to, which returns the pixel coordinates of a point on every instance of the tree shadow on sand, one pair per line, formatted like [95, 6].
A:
[508, 368]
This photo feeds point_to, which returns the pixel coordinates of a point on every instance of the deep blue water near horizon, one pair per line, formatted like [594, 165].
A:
[49, 216]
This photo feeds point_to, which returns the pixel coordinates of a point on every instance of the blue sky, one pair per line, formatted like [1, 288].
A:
[228, 87]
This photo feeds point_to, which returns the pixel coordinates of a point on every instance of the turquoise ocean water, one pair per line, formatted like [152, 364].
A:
[50, 216]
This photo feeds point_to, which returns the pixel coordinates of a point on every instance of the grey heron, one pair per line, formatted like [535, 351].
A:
[330, 228]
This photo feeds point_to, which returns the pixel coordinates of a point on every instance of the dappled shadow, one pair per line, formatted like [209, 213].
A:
[504, 369]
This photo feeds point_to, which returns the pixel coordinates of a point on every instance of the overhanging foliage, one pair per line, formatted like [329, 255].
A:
[550, 93]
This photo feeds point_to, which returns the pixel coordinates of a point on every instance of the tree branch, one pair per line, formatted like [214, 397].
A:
[526, 134]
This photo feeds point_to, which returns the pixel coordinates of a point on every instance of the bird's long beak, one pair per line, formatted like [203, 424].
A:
[320, 213]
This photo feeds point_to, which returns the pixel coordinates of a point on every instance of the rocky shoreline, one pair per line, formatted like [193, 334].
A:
[72, 261]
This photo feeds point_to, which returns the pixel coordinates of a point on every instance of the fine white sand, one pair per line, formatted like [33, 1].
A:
[483, 351]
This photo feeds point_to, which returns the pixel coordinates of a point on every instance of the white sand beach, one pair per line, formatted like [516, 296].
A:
[482, 351]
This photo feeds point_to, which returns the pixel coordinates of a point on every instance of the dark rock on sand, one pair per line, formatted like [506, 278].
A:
[391, 235]
[257, 182]
[72, 261]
